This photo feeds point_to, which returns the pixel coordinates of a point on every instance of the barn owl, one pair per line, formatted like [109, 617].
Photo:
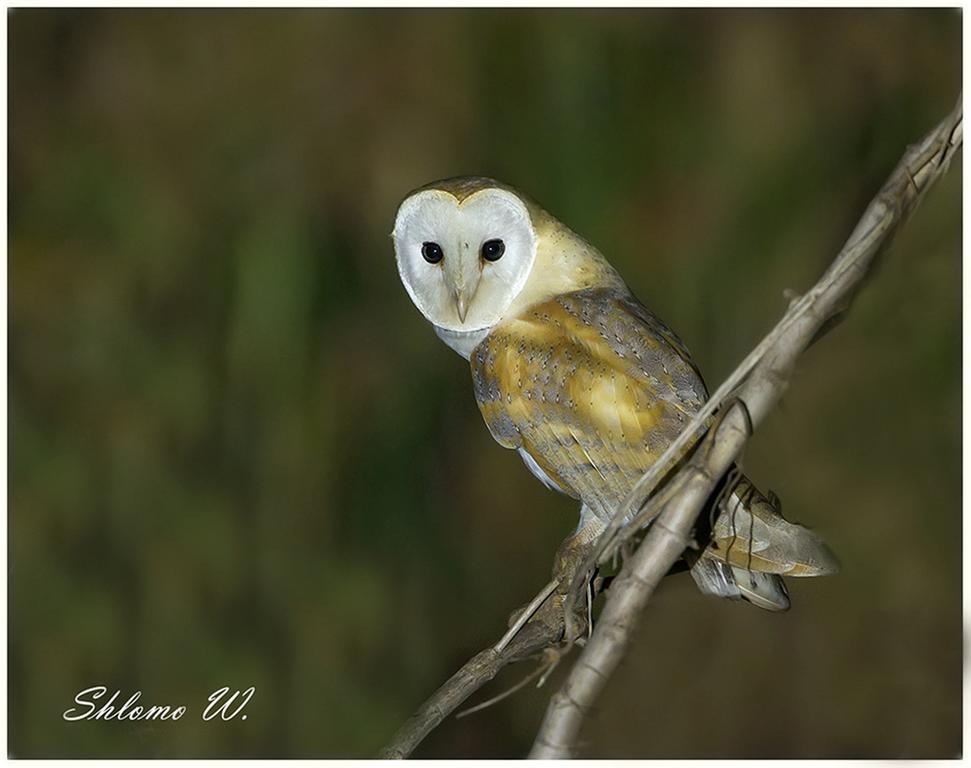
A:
[574, 373]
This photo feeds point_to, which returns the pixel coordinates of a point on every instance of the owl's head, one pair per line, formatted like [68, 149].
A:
[464, 249]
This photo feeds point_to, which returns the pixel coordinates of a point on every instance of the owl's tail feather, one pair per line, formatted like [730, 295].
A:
[751, 546]
[764, 590]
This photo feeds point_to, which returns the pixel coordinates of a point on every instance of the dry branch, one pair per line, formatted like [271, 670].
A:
[741, 403]
[764, 380]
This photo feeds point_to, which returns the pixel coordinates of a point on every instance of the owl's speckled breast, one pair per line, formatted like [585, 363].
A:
[591, 385]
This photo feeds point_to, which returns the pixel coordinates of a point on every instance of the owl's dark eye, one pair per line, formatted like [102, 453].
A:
[492, 250]
[432, 252]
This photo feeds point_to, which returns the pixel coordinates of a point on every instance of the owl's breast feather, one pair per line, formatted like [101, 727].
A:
[462, 342]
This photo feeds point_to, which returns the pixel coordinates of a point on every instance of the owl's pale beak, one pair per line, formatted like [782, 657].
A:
[462, 277]
[463, 293]
[461, 304]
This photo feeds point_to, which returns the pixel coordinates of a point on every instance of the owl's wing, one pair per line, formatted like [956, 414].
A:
[592, 386]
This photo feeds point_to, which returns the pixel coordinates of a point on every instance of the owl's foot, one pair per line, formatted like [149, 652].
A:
[569, 560]
[571, 557]
[549, 605]
[551, 614]
[523, 614]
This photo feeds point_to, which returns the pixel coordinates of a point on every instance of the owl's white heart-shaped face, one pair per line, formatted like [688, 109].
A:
[463, 262]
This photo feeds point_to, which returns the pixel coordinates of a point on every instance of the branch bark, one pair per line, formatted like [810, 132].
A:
[764, 376]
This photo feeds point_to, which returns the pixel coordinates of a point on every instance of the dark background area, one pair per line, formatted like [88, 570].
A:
[239, 456]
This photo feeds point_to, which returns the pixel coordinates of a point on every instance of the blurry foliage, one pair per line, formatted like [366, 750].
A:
[240, 457]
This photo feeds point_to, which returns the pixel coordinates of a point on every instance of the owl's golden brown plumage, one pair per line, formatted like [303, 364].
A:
[573, 372]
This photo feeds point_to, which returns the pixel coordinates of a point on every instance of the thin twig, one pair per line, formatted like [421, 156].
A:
[541, 669]
[763, 376]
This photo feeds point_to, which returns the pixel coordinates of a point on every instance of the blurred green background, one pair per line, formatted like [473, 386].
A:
[239, 456]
